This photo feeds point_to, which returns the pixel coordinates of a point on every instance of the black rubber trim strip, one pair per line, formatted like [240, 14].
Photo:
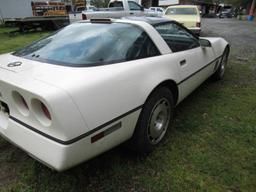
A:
[199, 70]
[80, 136]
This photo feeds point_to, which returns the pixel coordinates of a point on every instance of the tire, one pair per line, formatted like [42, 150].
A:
[154, 121]
[219, 74]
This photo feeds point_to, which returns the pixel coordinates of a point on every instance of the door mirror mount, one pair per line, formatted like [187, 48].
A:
[205, 43]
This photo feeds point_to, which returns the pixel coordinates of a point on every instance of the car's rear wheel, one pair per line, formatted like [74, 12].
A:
[219, 74]
[154, 121]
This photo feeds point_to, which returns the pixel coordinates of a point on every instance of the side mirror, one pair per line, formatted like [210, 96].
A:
[205, 43]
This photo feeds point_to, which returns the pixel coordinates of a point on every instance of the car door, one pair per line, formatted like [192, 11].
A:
[193, 60]
[135, 9]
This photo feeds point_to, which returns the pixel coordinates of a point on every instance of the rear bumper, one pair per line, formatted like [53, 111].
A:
[63, 156]
[48, 152]
[225, 15]
[195, 30]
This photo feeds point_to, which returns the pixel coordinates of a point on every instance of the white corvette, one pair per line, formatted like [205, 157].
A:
[95, 84]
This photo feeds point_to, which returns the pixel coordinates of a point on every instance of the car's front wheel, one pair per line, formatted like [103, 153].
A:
[155, 118]
[219, 74]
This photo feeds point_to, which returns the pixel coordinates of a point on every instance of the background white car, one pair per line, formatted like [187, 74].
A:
[158, 10]
[95, 84]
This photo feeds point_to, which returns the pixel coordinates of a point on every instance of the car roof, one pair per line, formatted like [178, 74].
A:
[150, 20]
[155, 7]
[182, 6]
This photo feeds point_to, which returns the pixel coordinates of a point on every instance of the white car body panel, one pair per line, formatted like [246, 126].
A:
[22, 81]
[62, 156]
[158, 10]
[87, 101]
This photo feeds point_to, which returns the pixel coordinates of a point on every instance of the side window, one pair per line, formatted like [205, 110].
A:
[159, 10]
[80, 9]
[143, 47]
[134, 6]
[177, 38]
[116, 4]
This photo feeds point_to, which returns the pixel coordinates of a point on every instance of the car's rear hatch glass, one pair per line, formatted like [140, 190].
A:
[85, 44]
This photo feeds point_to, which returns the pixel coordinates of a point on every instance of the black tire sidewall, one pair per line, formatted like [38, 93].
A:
[217, 75]
[140, 136]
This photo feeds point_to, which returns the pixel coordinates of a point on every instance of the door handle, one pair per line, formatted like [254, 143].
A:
[183, 62]
[131, 13]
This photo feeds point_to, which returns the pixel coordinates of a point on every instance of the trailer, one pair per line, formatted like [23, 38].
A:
[42, 22]
[15, 8]
[27, 15]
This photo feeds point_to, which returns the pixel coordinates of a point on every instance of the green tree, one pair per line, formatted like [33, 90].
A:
[100, 3]
[238, 2]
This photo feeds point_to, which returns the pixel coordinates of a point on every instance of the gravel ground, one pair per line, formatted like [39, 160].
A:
[240, 34]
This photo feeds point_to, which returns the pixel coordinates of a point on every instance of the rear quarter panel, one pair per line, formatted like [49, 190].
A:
[106, 92]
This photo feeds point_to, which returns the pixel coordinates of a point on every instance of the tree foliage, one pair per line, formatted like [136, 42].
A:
[100, 3]
[239, 2]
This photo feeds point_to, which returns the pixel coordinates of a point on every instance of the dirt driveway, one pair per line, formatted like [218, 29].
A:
[240, 34]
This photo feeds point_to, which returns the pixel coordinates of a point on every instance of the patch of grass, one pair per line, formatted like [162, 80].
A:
[13, 41]
[212, 147]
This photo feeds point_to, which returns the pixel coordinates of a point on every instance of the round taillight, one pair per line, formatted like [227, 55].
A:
[24, 102]
[41, 112]
[20, 103]
[46, 111]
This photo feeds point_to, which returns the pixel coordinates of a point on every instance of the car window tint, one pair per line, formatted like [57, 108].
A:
[143, 47]
[80, 9]
[85, 44]
[177, 38]
[116, 4]
[134, 6]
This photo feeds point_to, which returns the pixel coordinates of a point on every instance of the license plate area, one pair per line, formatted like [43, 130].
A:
[4, 115]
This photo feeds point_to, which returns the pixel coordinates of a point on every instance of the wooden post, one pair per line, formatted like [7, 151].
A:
[252, 8]
[251, 14]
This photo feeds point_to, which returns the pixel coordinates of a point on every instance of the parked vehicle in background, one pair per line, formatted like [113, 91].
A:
[226, 12]
[76, 15]
[187, 15]
[116, 9]
[158, 10]
[87, 8]
[46, 15]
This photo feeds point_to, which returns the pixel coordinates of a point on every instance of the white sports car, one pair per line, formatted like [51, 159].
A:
[95, 84]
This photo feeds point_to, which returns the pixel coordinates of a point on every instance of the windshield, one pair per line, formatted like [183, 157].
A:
[84, 44]
[181, 11]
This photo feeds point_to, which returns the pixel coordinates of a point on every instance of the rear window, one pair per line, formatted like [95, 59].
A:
[181, 11]
[116, 4]
[87, 44]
